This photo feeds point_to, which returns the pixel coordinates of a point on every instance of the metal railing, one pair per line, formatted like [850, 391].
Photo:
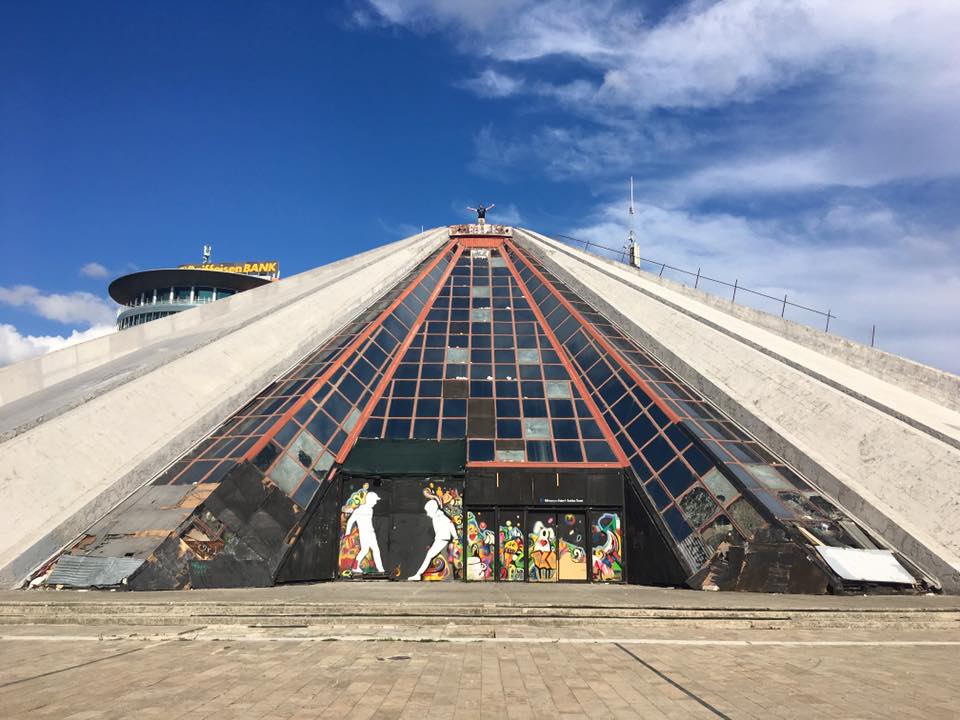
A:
[622, 254]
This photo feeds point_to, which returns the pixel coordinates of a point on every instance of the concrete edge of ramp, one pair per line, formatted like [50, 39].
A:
[125, 435]
[851, 476]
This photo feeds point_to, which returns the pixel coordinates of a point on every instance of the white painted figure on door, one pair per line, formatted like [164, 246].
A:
[362, 517]
[444, 533]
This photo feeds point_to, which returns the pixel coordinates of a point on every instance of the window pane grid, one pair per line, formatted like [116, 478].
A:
[686, 496]
[492, 349]
[232, 440]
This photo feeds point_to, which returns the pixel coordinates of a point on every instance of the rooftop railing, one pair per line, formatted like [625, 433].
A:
[698, 279]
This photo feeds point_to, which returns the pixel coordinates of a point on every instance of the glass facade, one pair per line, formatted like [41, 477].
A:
[705, 476]
[141, 318]
[483, 345]
[295, 428]
[482, 367]
[160, 302]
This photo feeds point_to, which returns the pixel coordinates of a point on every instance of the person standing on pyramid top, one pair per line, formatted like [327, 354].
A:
[481, 212]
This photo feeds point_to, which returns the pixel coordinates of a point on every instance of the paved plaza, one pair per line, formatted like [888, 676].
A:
[633, 654]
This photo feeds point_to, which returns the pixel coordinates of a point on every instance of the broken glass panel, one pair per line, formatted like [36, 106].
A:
[287, 473]
[698, 506]
[718, 484]
[717, 531]
[769, 477]
[746, 518]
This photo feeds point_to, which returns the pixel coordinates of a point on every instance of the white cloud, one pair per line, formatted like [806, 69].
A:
[15, 346]
[74, 307]
[805, 112]
[563, 153]
[467, 15]
[707, 54]
[491, 83]
[94, 270]
[881, 78]
[399, 230]
[863, 262]
[506, 214]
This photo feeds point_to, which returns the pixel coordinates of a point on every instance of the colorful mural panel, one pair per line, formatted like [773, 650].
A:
[607, 543]
[511, 547]
[359, 548]
[481, 546]
[542, 563]
[572, 544]
[444, 557]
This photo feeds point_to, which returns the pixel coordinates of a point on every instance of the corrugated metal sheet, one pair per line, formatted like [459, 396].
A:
[92, 571]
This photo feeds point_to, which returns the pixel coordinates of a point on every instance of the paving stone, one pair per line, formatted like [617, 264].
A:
[277, 673]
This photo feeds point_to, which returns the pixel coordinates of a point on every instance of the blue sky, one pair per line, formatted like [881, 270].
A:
[798, 147]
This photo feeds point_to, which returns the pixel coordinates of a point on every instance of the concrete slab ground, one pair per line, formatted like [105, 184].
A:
[516, 667]
[403, 594]
[173, 679]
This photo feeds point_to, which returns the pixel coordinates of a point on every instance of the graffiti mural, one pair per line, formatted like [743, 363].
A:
[511, 548]
[418, 529]
[572, 544]
[542, 564]
[359, 549]
[443, 559]
[607, 543]
[481, 546]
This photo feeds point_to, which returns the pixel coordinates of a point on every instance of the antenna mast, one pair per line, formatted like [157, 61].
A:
[632, 247]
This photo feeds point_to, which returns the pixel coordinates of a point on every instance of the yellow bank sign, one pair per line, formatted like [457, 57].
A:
[266, 268]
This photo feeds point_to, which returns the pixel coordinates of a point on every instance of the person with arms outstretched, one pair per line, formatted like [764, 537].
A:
[481, 212]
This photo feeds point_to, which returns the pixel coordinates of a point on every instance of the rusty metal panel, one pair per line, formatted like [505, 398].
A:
[82, 571]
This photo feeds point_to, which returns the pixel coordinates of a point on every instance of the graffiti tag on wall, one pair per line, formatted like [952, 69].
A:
[359, 548]
[607, 542]
[443, 559]
[543, 551]
[481, 548]
[511, 551]
[573, 556]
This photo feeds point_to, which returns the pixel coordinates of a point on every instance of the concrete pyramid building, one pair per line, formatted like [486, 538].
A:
[479, 403]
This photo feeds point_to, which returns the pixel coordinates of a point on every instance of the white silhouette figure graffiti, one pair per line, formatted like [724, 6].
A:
[444, 532]
[362, 517]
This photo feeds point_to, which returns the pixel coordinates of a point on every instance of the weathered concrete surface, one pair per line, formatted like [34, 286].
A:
[432, 650]
[372, 598]
[687, 676]
[85, 426]
[371, 609]
[887, 454]
[942, 387]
